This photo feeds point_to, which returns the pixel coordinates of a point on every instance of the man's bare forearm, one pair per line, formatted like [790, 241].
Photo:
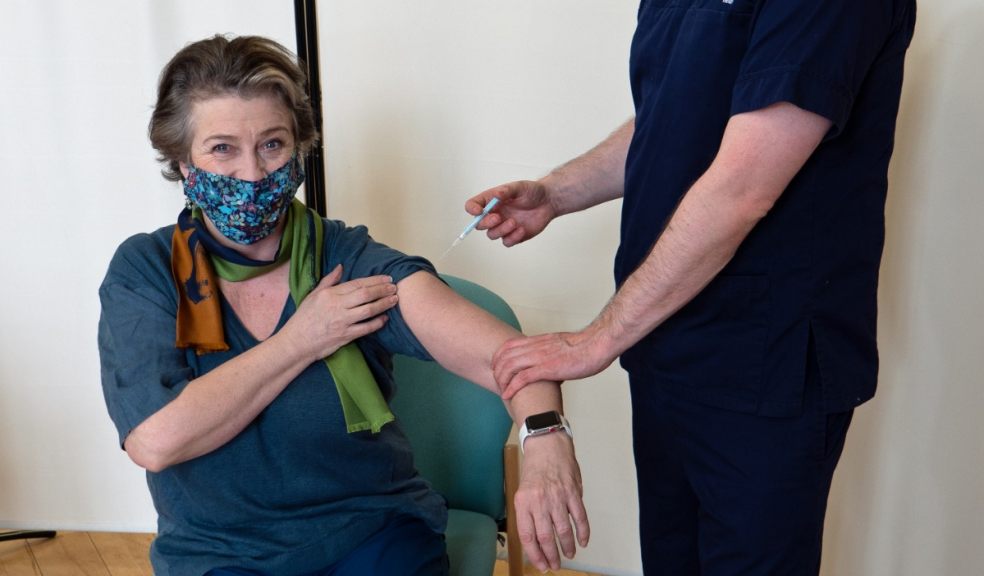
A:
[594, 177]
[760, 154]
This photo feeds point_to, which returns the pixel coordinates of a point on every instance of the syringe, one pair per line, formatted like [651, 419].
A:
[471, 225]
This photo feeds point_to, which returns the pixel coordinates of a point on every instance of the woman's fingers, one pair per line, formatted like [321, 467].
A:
[330, 279]
[361, 329]
[361, 284]
[369, 301]
[373, 308]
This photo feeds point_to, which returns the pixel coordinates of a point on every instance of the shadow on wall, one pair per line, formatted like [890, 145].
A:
[908, 494]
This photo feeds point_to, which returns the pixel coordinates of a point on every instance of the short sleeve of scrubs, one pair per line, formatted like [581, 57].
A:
[816, 54]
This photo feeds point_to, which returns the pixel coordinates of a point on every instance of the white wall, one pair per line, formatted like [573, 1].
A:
[78, 83]
[426, 104]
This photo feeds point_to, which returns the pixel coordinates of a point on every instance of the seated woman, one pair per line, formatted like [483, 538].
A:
[245, 353]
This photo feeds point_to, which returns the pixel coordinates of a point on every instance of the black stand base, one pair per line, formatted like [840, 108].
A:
[25, 534]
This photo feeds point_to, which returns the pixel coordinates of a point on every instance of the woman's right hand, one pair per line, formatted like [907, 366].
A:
[524, 210]
[334, 314]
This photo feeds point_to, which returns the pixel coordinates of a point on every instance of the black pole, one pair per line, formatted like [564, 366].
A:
[306, 24]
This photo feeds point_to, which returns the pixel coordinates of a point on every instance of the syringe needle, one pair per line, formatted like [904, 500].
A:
[450, 248]
[471, 225]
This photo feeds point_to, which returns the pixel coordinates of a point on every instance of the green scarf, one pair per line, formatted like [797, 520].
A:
[303, 241]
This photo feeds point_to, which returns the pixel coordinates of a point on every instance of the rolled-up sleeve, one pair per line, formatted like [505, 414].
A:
[361, 256]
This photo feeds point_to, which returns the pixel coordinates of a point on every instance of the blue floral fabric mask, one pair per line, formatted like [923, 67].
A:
[244, 211]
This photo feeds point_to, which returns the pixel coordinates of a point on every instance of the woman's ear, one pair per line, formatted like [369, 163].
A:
[184, 169]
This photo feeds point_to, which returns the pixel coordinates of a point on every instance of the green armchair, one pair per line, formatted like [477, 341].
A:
[458, 432]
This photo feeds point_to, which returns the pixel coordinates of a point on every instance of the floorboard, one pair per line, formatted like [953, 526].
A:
[111, 554]
[68, 554]
[16, 559]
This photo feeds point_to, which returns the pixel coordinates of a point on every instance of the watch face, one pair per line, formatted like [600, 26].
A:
[543, 420]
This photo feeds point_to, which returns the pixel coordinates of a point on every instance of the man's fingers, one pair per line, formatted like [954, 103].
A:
[523, 360]
[514, 237]
[491, 220]
[504, 228]
[511, 354]
[519, 381]
[476, 204]
[505, 370]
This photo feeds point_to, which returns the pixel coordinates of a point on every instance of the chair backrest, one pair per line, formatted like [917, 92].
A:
[457, 429]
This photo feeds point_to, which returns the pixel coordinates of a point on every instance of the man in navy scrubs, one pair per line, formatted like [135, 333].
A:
[754, 176]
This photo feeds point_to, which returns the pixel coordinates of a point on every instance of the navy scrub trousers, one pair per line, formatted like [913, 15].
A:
[726, 493]
[736, 435]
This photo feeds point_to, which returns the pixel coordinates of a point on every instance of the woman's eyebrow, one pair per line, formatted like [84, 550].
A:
[273, 129]
[232, 138]
[220, 137]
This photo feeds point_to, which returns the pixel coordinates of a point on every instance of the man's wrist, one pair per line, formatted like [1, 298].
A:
[598, 340]
[555, 189]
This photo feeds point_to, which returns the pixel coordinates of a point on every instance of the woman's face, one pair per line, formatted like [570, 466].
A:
[242, 138]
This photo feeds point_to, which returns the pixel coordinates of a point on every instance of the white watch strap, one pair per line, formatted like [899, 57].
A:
[524, 433]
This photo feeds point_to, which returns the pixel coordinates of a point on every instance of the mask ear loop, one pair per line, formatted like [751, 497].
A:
[189, 205]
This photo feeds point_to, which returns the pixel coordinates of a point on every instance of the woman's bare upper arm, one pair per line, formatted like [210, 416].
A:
[460, 335]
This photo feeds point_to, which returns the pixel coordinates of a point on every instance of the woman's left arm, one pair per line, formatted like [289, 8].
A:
[462, 338]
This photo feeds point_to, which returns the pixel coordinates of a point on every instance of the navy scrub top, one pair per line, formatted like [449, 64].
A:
[811, 265]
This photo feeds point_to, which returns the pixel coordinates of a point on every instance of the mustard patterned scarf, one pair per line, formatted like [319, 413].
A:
[196, 261]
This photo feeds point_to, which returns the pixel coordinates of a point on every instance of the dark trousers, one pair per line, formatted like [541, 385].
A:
[407, 547]
[726, 493]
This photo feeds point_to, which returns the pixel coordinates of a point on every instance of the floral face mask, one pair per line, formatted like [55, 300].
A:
[244, 211]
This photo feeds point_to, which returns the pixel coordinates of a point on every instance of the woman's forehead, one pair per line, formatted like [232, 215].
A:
[235, 115]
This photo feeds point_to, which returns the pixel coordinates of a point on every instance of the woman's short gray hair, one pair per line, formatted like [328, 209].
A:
[247, 66]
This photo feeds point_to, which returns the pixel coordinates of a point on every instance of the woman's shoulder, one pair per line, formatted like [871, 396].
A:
[340, 236]
[143, 254]
[159, 237]
[362, 255]
[334, 228]
[147, 244]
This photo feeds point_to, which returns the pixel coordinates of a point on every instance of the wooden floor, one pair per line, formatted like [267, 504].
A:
[108, 554]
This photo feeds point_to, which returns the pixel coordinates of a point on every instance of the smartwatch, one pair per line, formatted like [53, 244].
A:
[543, 423]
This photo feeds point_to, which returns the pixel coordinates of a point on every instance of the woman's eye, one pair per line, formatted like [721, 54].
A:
[221, 149]
[273, 145]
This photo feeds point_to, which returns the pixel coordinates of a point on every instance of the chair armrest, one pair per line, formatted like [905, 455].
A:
[514, 549]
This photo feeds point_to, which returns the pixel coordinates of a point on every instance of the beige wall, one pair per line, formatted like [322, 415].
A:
[426, 104]
[909, 495]
[432, 102]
